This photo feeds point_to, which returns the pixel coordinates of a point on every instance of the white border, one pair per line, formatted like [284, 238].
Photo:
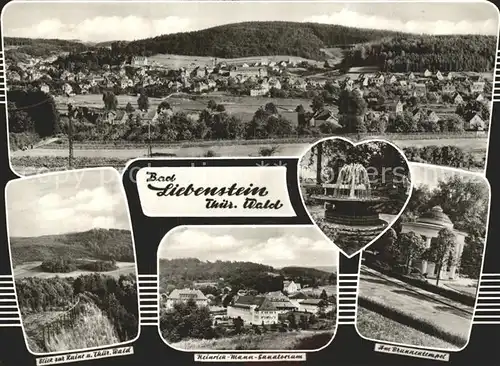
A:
[243, 351]
[390, 224]
[244, 1]
[480, 176]
[14, 181]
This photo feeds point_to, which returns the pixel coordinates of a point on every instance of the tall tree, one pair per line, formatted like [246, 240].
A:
[442, 251]
[143, 101]
[110, 100]
[411, 246]
[472, 257]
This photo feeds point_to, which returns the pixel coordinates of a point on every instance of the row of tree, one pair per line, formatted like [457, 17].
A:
[448, 155]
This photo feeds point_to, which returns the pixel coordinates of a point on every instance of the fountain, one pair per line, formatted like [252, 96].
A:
[351, 204]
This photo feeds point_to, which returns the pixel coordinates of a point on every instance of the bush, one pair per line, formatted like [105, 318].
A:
[411, 321]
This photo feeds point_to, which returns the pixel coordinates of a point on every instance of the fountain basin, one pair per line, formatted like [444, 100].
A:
[352, 211]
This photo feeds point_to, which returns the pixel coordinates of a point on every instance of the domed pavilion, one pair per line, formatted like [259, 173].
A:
[428, 226]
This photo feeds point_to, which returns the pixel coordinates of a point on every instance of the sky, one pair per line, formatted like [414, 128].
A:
[66, 202]
[430, 175]
[98, 22]
[274, 246]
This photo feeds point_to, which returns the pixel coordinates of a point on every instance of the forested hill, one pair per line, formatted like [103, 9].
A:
[420, 52]
[93, 244]
[39, 47]
[182, 272]
[257, 39]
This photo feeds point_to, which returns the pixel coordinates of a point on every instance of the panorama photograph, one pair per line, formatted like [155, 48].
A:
[97, 84]
[247, 288]
[354, 192]
[418, 283]
[73, 260]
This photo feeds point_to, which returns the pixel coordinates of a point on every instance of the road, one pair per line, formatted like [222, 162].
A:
[287, 149]
[447, 314]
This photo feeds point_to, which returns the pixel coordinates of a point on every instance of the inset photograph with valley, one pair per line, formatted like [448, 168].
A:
[73, 260]
[418, 282]
[247, 288]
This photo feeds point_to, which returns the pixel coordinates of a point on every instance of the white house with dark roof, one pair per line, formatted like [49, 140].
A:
[253, 310]
[419, 90]
[184, 295]
[448, 88]
[477, 87]
[457, 99]
[428, 226]
[139, 61]
[476, 123]
[291, 287]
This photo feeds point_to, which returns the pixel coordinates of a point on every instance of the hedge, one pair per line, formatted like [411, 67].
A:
[412, 321]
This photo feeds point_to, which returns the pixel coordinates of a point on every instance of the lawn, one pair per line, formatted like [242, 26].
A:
[302, 340]
[377, 327]
[430, 312]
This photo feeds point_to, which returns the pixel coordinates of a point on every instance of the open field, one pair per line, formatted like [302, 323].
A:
[302, 340]
[242, 107]
[190, 62]
[330, 290]
[377, 327]
[32, 269]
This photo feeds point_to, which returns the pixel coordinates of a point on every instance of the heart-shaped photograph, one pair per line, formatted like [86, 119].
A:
[354, 192]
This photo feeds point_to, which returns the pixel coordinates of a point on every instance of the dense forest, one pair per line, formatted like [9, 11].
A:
[101, 244]
[117, 298]
[417, 53]
[256, 39]
[39, 47]
[178, 273]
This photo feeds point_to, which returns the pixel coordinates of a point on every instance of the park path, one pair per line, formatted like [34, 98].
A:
[449, 315]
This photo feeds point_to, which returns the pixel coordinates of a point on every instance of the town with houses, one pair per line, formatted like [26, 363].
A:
[252, 308]
[431, 95]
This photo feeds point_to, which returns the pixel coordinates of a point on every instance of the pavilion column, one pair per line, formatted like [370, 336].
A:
[424, 262]
[458, 254]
